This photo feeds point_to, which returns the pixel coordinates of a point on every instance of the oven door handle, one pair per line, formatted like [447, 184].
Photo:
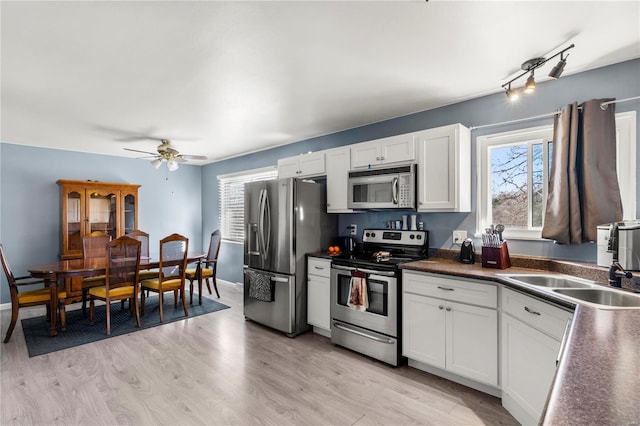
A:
[366, 271]
[362, 334]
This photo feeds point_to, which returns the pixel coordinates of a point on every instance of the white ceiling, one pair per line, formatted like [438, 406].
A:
[225, 78]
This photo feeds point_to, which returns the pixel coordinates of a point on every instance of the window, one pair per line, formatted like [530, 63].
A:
[231, 192]
[514, 172]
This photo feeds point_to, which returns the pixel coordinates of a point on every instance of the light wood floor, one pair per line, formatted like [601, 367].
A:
[221, 369]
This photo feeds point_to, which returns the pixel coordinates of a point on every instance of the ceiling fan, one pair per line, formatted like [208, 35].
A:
[166, 152]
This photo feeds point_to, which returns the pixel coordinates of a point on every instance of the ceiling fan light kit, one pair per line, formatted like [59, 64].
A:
[166, 152]
[529, 66]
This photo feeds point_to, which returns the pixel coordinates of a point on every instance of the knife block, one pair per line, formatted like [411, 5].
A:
[496, 257]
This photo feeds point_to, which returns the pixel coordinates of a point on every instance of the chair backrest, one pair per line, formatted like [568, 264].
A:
[143, 237]
[173, 257]
[214, 245]
[95, 244]
[123, 262]
[7, 269]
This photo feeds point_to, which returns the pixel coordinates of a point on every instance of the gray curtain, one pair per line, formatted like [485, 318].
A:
[583, 185]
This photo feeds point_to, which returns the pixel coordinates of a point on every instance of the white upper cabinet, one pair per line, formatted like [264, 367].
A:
[304, 165]
[444, 169]
[383, 152]
[338, 163]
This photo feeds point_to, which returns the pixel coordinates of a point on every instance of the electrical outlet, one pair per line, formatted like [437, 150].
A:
[459, 236]
[354, 229]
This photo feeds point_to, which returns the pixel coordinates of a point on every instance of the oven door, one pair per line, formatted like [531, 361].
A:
[382, 291]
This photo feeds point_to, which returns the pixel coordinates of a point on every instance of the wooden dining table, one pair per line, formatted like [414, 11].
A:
[53, 272]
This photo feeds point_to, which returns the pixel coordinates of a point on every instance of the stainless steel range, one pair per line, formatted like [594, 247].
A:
[374, 329]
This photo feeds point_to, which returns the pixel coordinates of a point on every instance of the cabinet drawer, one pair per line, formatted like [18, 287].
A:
[454, 289]
[539, 314]
[320, 267]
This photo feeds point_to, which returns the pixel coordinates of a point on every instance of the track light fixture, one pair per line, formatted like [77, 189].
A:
[529, 67]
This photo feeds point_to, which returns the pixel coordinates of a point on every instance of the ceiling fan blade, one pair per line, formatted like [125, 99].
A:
[194, 157]
[179, 159]
[144, 152]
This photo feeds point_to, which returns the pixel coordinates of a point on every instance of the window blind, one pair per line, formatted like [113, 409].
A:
[231, 202]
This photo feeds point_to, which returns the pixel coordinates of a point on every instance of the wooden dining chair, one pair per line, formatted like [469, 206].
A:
[171, 277]
[143, 237]
[94, 245]
[121, 278]
[22, 299]
[209, 266]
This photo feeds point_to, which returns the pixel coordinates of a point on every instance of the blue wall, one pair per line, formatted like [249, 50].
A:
[188, 202]
[30, 200]
[619, 81]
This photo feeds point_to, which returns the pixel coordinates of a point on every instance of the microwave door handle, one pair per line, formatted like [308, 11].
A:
[395, 190]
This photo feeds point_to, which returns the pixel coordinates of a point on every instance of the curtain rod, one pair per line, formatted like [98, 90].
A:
[549, 114]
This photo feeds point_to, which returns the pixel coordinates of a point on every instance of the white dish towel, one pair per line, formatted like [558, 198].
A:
[358, 298]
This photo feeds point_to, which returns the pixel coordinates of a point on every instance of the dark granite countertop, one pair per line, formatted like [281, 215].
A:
[598, 378]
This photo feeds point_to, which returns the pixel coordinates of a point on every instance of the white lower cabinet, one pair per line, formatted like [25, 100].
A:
[532, 330]
[318, 295]
[451, 324]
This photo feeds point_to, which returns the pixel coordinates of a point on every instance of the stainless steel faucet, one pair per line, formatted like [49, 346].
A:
[616, 271]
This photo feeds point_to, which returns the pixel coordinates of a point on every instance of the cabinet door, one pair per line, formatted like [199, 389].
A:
[444, 175]
[528, 367]
[472, 342]
[423, 329]
[288, 167]
[129, 216]
[312, 164]
[318, 303]
[103, 205]
[73, 223]
[338, 163]
[398, 149]
[365, 154]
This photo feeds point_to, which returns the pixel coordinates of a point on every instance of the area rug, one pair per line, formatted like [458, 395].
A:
[80, 332]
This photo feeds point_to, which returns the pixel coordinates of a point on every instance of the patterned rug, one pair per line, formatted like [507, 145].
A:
[80, 332]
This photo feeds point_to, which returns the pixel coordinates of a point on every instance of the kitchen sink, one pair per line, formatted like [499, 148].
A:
[551, 281]
[602, 296]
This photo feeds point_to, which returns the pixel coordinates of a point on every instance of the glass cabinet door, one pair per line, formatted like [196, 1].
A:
[101, 212]
[74, 230]
[129, 216]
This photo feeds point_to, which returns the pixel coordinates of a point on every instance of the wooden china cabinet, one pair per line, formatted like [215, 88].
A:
[88, 206]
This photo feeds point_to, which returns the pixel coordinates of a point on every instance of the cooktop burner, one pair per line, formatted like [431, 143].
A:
[384, 248]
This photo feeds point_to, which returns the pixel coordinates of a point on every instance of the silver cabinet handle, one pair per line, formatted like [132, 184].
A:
[440, 307]
[318, 267]
[446, 288]
[448, 308]
[526, 308]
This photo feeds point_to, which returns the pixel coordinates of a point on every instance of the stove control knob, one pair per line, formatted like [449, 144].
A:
[419, 236]
[366, 234]
[412, 236]
[373, 234]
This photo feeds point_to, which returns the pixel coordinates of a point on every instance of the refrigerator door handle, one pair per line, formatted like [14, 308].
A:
[261, 225]
[267, 237]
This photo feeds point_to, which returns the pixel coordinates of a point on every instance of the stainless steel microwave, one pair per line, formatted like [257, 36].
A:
[393, 188]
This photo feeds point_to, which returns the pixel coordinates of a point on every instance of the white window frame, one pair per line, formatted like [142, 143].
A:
[626, 167]
[233, 231]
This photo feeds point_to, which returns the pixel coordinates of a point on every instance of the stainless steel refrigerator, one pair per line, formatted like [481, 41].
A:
[284, 219]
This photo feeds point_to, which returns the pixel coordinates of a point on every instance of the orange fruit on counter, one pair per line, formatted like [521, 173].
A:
[331, 249]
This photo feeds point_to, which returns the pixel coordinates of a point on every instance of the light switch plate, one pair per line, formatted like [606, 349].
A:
[459, 236]
[354, 229]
